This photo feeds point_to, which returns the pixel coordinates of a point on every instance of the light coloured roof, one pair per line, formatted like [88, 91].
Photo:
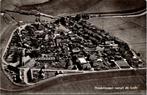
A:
[82, 60]
[26, 59]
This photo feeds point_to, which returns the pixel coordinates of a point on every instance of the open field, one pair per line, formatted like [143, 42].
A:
[131, 30]
[58, 7]
[70, 6]
[90, 82]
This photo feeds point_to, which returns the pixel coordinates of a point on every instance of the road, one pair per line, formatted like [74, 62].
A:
[122, 78]
[127, 13]
[132, 13]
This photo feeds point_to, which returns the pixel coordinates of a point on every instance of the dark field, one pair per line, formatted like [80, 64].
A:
[90, 82]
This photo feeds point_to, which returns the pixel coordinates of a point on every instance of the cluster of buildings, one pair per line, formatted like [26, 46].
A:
[67, 43]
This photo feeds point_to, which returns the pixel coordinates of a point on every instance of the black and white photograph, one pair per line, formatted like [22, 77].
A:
[73, 47]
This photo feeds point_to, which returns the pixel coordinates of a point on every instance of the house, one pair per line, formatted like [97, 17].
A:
[98, 48]
[46, 37]
[84, 64]
[25, 59]
[39, 31]
[15, 74]
[76, 50]
[111, 43]
[30, 64]
[10, 58]
[122, 63]
[45, 57]
[25, 75]
[82, 60]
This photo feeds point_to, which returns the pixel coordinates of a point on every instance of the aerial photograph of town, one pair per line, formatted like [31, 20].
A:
[63, 47]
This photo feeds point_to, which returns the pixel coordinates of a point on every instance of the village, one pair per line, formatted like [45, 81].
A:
[69, 44]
